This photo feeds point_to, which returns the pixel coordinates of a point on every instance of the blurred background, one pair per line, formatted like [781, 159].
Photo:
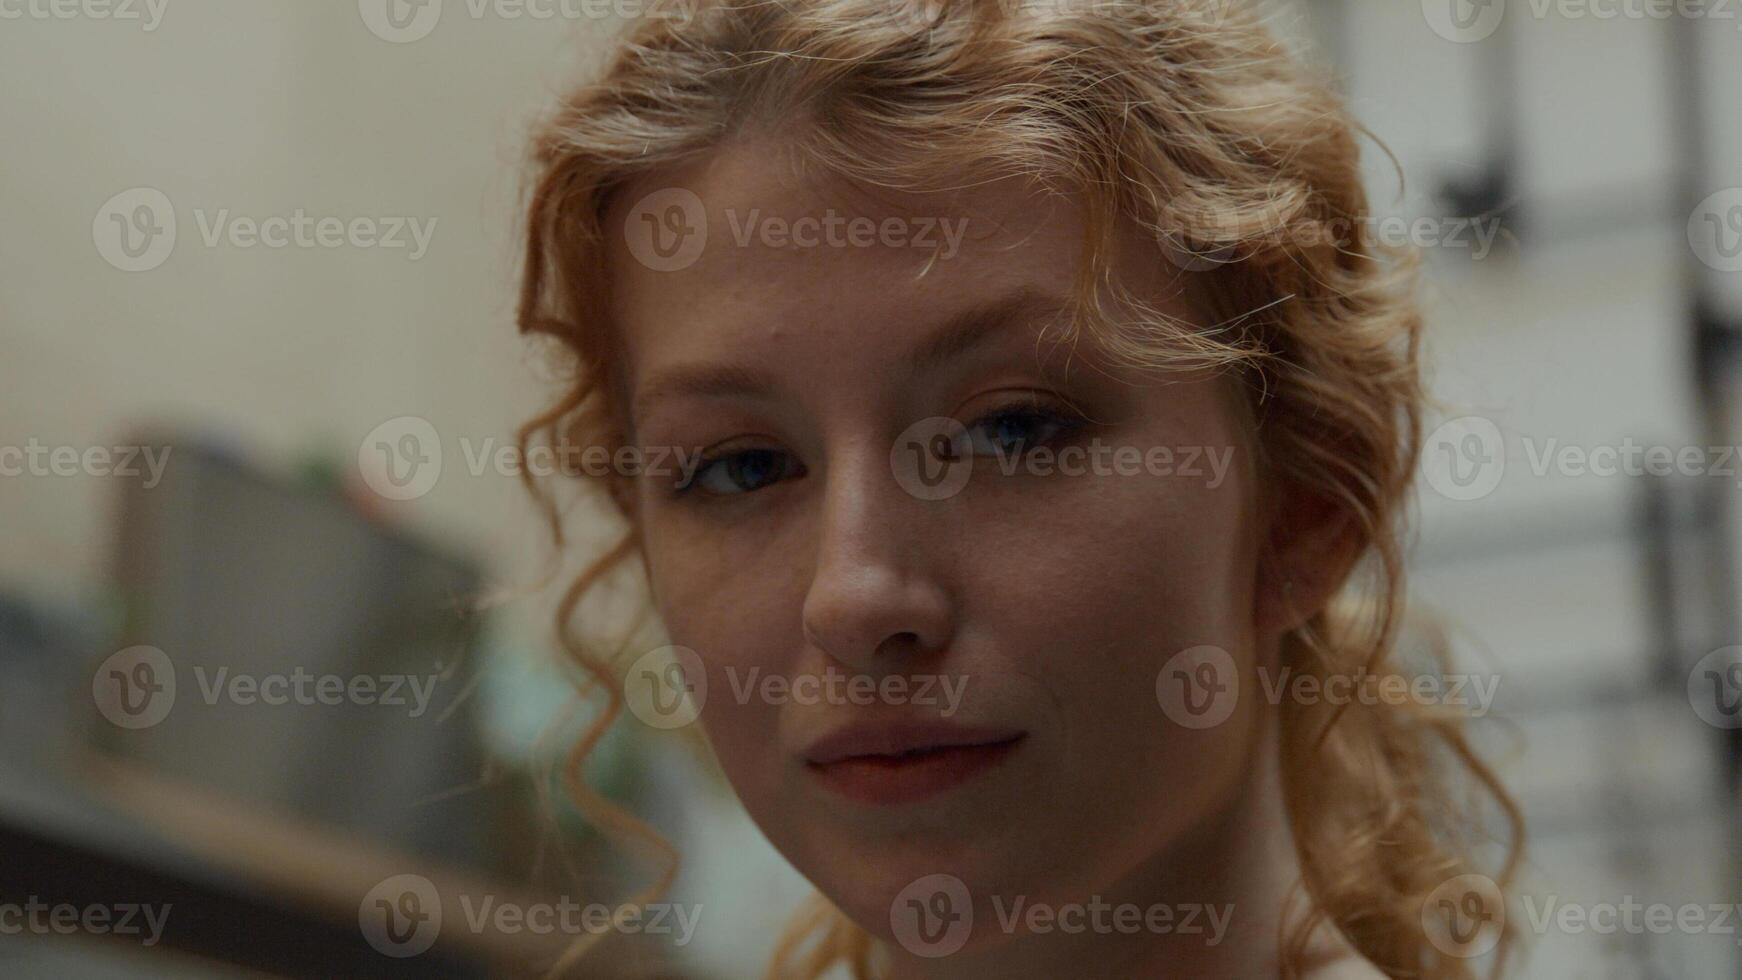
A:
[251, 494]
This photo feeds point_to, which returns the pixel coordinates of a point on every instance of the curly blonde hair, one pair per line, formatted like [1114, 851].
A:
[1190, 119]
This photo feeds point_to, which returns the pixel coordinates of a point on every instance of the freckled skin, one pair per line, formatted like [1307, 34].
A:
[1060, 597]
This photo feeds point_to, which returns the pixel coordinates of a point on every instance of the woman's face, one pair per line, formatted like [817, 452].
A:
[913, 669]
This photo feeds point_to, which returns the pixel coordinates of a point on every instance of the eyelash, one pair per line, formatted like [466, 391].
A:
[716, 457]
[1061, 421]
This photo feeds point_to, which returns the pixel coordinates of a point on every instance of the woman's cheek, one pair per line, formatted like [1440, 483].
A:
[718, 610]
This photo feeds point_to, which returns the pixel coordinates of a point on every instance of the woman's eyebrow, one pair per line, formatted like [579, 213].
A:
[961, 333]
[979, 325]
[704, 381]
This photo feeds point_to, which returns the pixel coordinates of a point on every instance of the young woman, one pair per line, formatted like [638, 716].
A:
[1049, 420]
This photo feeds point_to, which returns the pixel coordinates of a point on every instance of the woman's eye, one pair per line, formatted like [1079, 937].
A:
[1013, 431]
[740, 472]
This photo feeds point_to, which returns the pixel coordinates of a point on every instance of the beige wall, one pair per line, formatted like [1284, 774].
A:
[261, 108]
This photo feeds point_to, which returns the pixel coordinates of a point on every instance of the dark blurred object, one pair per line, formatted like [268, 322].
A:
[238, 577]
[43, 652]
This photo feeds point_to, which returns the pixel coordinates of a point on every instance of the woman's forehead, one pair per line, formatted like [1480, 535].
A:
[739, 246]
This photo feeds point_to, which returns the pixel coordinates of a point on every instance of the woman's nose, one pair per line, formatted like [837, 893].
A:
[876, 602]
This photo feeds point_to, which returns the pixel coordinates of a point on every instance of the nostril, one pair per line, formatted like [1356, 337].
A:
[899, 643]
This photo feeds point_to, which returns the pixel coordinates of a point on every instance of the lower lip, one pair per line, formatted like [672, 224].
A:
[889, 780]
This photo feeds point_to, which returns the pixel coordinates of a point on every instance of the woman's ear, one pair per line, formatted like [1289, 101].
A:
[1312, 546]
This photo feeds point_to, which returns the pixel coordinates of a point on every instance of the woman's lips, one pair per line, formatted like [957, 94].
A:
[905, 763]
